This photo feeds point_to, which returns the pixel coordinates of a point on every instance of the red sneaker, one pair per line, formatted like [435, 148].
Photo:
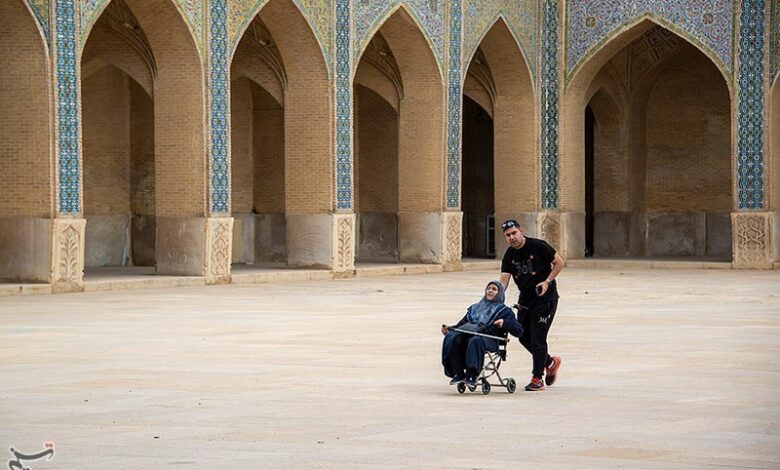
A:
[536, 385]
[551, 373]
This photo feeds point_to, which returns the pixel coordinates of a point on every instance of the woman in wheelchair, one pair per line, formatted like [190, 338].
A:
[463, 354]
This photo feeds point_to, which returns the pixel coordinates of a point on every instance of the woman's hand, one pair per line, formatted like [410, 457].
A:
[499, 323]
[444, 329]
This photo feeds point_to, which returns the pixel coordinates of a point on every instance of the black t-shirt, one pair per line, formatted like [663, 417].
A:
[529, 266]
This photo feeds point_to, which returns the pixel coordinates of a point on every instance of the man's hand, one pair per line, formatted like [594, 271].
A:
[499, 323]
[541, 288]
[444, 329]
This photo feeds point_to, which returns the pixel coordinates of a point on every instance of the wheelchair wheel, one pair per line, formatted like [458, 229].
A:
[461, 388]
[485, 387]
[511, 385]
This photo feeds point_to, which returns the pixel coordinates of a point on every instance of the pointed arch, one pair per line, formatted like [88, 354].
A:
[514, 121]
[254, 11]
[654, 149]
[498, 18]
[379, 22]
[418, 148]
[618, 38]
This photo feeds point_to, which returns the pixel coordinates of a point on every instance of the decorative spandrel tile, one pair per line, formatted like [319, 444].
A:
[519, 15]
[369, 13]
[590, 22]
[318, 13]
[89, 11]
[40, 9]
[193, 13]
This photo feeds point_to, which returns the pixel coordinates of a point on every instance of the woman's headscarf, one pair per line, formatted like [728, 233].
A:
[483, 311]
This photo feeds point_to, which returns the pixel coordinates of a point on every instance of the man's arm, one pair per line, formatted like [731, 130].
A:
[504, 279]
[557, 266]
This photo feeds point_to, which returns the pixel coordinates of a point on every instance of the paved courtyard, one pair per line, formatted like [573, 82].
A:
[661, 369]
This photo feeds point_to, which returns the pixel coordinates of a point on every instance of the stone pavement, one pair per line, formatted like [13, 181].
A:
[662, 369]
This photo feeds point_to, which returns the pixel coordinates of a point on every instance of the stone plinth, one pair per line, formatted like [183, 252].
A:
[755, 239]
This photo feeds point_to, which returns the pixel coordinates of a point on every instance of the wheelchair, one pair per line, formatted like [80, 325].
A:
[490, 368]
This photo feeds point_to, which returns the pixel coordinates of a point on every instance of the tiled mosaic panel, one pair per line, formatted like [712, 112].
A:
[750, 111]
[775, 38]
[343, 107]
[41, 10]
[318, 13]
[369, 13]
[192, 12]
[218, 82]
[549, 104]
[709, 22]
[454, 103]
[520, 17]
[67, 107]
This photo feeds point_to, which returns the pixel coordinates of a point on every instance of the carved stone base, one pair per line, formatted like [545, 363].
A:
[754, 239]
[453, 240]
[344, 243]
[219, 249]
[67, 273]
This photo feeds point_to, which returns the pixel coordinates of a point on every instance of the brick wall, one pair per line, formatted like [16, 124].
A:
[376, 155]
[26, 173]
[241, 145]
[106, 142]
[689, 138]
[268, 134]
[141, 151]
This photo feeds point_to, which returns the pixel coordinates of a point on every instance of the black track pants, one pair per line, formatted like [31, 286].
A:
[536, 323]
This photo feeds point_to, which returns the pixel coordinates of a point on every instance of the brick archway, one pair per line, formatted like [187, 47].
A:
[677, 156]
[501, 69]
[118, 140]
[409, 83]
[292, 150]
[26, 164]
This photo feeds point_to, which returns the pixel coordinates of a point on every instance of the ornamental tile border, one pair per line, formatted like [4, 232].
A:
[454, 103]
[521, 19]
[343, 107]
[709, 23]
[40, 9]
[318, 14]
[67, 110]
[368, 15]
[549, 104]
[750, 107]
[219, 176]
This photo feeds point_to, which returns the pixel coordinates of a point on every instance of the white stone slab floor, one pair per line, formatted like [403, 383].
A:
[661, 369]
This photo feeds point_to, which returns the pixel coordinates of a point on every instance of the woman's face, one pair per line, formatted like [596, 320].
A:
[491, 291]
